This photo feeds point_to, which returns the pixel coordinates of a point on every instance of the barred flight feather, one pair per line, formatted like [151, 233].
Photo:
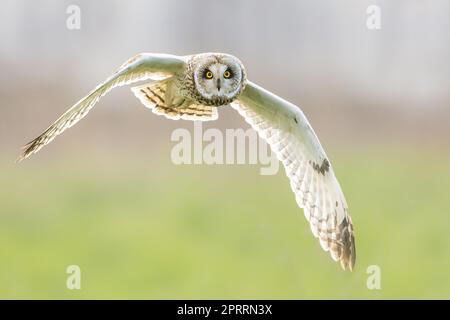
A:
[314, 185]
[152, 96]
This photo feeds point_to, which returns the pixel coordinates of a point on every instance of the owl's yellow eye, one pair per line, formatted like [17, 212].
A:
[227, 74]
[208, 75]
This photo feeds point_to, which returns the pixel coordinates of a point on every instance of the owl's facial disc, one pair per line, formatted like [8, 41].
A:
[218, 80]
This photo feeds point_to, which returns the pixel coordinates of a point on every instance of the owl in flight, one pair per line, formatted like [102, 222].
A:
[192, 88]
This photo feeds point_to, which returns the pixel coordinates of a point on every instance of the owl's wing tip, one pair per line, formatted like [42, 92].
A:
[28, 149]
[348, 258]
[22, 157]
[348, 264]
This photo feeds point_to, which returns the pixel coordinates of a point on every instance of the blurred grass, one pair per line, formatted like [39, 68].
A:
[149, 229]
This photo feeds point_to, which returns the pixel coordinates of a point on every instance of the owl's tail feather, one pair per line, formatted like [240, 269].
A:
[153, 95]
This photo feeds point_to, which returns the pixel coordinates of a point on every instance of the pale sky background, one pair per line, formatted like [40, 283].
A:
[355, 85]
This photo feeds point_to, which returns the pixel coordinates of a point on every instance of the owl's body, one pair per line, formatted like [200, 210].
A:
[193, 87]
[190, 94]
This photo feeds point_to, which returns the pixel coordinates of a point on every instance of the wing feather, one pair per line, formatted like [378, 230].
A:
[141, 67]
[317, 191]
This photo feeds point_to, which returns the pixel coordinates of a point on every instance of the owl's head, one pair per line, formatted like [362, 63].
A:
[218, 78]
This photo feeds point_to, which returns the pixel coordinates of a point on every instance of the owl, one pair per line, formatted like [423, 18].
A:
[193, 88]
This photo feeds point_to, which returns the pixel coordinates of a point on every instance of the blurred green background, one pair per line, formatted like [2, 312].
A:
[146, 229]
[106, 196]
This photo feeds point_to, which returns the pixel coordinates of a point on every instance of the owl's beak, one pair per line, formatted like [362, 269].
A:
[218, 84]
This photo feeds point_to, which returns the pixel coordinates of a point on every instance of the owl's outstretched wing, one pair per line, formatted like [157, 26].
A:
[288, 132]
[141, 67]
